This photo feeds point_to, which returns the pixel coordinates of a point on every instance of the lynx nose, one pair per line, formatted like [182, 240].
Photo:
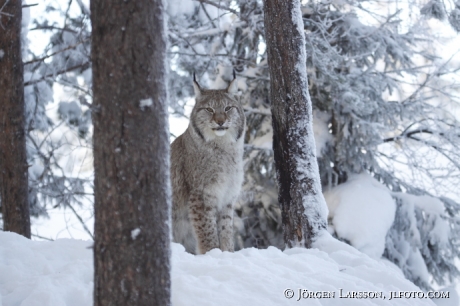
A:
[220, 119]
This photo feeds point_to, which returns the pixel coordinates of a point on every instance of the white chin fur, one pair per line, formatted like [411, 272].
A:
[220, 133]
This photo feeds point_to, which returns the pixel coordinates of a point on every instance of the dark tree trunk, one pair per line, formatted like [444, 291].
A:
[303, 209]
[13, 157]
[131, 153]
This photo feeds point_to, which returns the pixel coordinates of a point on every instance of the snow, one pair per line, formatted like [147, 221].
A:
[145, 103]
[70, 110]
[2, 53]
[45, 273]
[61, 273]
[435, 228]
[427, 203]
[321, 131]
[431, 207]
[135, 232]
[180, 7]
[35, 170]
[362, 211]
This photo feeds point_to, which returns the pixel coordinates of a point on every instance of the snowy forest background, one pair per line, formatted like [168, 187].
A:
[384, 83]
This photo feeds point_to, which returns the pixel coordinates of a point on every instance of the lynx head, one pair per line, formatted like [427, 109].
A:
[217, 113]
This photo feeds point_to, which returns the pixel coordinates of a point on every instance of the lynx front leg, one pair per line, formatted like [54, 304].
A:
[225, 228]
[203, 218]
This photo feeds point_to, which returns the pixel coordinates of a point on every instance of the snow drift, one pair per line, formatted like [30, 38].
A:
[61, 273]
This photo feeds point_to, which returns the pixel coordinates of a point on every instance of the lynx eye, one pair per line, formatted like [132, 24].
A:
[209, 110]
[228, 108]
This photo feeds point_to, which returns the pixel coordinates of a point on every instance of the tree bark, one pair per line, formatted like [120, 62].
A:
[131, 153]
[303, 208]
[13, 158]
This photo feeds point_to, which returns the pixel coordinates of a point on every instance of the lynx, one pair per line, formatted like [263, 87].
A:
[207, 171]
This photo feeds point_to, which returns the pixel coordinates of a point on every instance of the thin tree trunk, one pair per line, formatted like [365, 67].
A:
[303, 209]
[131, 153]
[13, 157]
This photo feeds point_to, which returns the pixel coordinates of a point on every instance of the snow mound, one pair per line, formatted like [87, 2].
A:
[61, 272]
[362, 211]
[45, 273]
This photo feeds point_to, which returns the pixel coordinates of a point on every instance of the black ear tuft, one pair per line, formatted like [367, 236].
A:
[233, 86]
[196, 86]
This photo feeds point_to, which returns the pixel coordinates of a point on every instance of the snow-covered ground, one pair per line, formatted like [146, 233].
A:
[35, 273]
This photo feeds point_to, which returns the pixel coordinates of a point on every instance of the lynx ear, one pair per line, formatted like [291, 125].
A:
[233, 86]
[196, 87]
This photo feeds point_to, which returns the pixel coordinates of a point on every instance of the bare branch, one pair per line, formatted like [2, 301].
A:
[3, 13]
[29, 5]
[53, 28]
[42, 237]
[83, 8]
[81, 221]
[253, 147]
[257, 111]
[57, 52]
[207, 15]
[437, 148]
[82, 66]
[408, 134]
[219, 6]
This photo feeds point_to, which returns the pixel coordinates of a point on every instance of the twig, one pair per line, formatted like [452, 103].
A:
[257, 111]
[218, 6]
[218, 55]
[32, 82]
[207, 15]
[83, 8]
[437, 148]
[67, 12]
[57, 52]
[409, 134]
[4, 4]
[253, 147]
[41, 237]
[87, 92]
[53, 28]
[212, 31]
[29, 5]
[5, 14]
[81, 221]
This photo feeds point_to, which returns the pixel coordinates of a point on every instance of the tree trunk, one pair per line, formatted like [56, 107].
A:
[303, 209]
[131, 153]
[13, 158]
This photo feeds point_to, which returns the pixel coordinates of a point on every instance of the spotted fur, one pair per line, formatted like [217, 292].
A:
[207, 171]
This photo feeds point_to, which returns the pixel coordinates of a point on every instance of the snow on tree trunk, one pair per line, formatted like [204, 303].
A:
[13, 157]
[131, 153]
[303, 208]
